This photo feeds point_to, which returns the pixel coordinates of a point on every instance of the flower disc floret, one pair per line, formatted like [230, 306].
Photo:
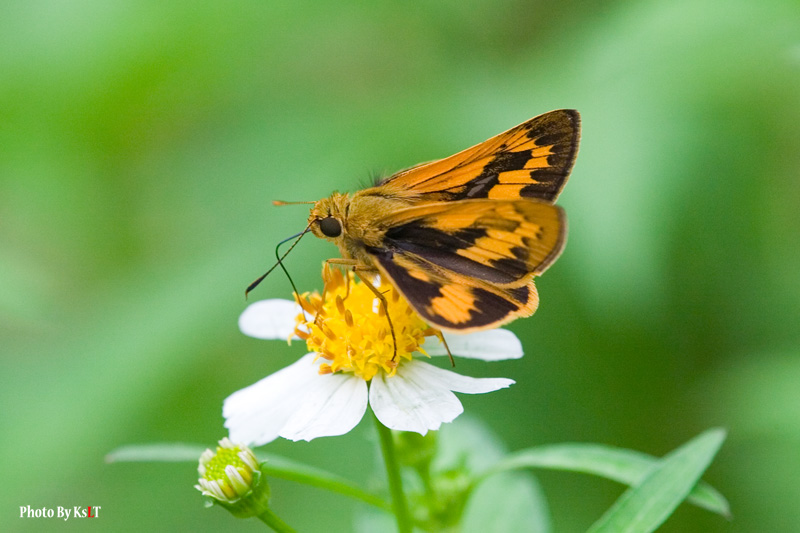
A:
[347, 326]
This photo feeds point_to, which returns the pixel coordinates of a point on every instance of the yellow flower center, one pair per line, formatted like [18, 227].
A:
[347, 326]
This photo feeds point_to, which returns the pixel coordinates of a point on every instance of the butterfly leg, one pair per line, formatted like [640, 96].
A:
[446, 347]
[341, 261]
[384, 303]
[345, 262]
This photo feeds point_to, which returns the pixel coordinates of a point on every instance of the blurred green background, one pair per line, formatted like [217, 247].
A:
[141, 144]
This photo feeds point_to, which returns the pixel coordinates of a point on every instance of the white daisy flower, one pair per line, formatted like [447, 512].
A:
[353, 363]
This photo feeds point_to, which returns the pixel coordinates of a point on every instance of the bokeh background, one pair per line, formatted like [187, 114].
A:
[141, 144]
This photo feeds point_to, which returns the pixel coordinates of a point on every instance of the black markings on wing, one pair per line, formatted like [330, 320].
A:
[418, 290]
[441, 248]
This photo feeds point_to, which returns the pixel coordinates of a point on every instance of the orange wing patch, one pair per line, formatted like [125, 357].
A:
[455, 305]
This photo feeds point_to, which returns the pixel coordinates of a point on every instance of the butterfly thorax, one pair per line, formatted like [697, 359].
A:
[359, 216]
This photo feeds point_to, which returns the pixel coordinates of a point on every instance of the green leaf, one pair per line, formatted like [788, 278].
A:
[272, 465]
[625, 466]
[512, 501]
[647, 505]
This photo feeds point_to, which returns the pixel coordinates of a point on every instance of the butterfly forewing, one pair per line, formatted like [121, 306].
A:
[532, 160]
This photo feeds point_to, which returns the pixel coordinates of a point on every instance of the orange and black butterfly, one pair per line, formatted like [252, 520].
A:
[463, 237]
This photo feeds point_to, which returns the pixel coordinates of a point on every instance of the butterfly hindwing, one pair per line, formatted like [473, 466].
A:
[451, 301]
[469, 264]
[532, 160]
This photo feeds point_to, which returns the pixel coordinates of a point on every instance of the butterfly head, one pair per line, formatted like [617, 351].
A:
[327, 217]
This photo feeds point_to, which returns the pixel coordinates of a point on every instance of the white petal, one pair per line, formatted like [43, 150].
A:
[400, 402]
[435, 376]
[419, 397]
[269, 319]
[333, 406]
[489, 345]
[256, 414]
[297, 403]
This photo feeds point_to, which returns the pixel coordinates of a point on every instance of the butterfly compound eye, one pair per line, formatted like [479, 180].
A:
[330, 227]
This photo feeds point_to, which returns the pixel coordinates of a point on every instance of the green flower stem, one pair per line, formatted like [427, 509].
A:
[399, 503]
[425, 476]
[274, 521]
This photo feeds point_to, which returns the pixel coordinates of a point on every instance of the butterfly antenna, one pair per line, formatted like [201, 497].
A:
[281, 202]
[280, 260]
[283, 267]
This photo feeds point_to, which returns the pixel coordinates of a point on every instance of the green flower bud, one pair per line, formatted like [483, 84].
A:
[231, 477]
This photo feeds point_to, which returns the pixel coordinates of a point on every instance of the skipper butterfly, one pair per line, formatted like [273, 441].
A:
[463, 237]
